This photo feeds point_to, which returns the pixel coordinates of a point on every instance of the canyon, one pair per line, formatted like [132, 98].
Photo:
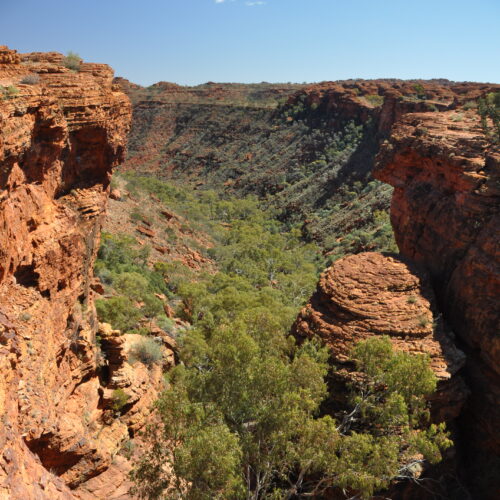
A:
[62, 135]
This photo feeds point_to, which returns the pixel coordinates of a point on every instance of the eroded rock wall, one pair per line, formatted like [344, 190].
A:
[61, 133]
[441, 296]
[372, 294]
[445, 214]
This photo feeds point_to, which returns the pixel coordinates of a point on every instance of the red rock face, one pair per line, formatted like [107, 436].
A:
[372, 294]
[445, 214]
[60, 137]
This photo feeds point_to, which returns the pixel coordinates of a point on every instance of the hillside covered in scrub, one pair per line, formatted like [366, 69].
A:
[272, 141]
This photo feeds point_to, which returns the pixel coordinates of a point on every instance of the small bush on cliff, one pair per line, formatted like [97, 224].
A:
[8, 92]
[31, 79]
[118, 253]
[119, 400]
[420, 91]
[72, 61]
[489, 111]
[374, 99]
[147, 351]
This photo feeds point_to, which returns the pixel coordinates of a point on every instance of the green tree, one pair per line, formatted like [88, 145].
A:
[489, 110]
[420, 91]
[119, 311]
[119, 400]
[257, 398]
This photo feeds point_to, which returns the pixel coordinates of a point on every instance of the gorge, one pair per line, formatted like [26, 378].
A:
[321, 158]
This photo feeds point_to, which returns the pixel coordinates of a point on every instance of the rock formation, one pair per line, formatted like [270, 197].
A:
[138, 385]
[61, 133]
[372, 294]
[445, 214]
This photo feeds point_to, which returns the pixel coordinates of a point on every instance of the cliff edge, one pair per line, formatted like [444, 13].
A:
[445, 215]
[62, 131]
[440, 296]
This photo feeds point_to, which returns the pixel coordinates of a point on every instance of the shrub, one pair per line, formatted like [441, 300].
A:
[174, 273]
[470, 105]
[118, 253]
[375, 99]
[31, 79]
[127, 449]
[152, 306]
[147, 351]
[489, 110]
[420, 91]
[136, 215]
[72, 61]
[119, 400]
[9, 92]
[166, 324]
[119, 311]
[423, 321]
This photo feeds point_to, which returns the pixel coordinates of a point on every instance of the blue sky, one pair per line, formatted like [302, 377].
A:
[194, 41]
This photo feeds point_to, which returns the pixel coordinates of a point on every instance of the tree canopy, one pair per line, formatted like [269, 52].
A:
[241, 418]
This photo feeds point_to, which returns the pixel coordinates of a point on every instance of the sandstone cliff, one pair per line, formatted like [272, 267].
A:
[445, 214]
[441, 296]
[61, 133]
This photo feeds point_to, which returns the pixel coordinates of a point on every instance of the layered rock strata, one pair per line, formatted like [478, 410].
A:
[445, 171]
[445, 215]
[61, 133]
[371, 294]
[139, 386]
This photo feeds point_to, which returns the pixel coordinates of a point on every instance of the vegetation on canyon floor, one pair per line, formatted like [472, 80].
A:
[242, 415]
[253, 249]
[241, 418]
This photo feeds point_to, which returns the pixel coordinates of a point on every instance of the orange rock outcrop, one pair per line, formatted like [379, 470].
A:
[371, 294]
[445, 215]
[61, 133]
